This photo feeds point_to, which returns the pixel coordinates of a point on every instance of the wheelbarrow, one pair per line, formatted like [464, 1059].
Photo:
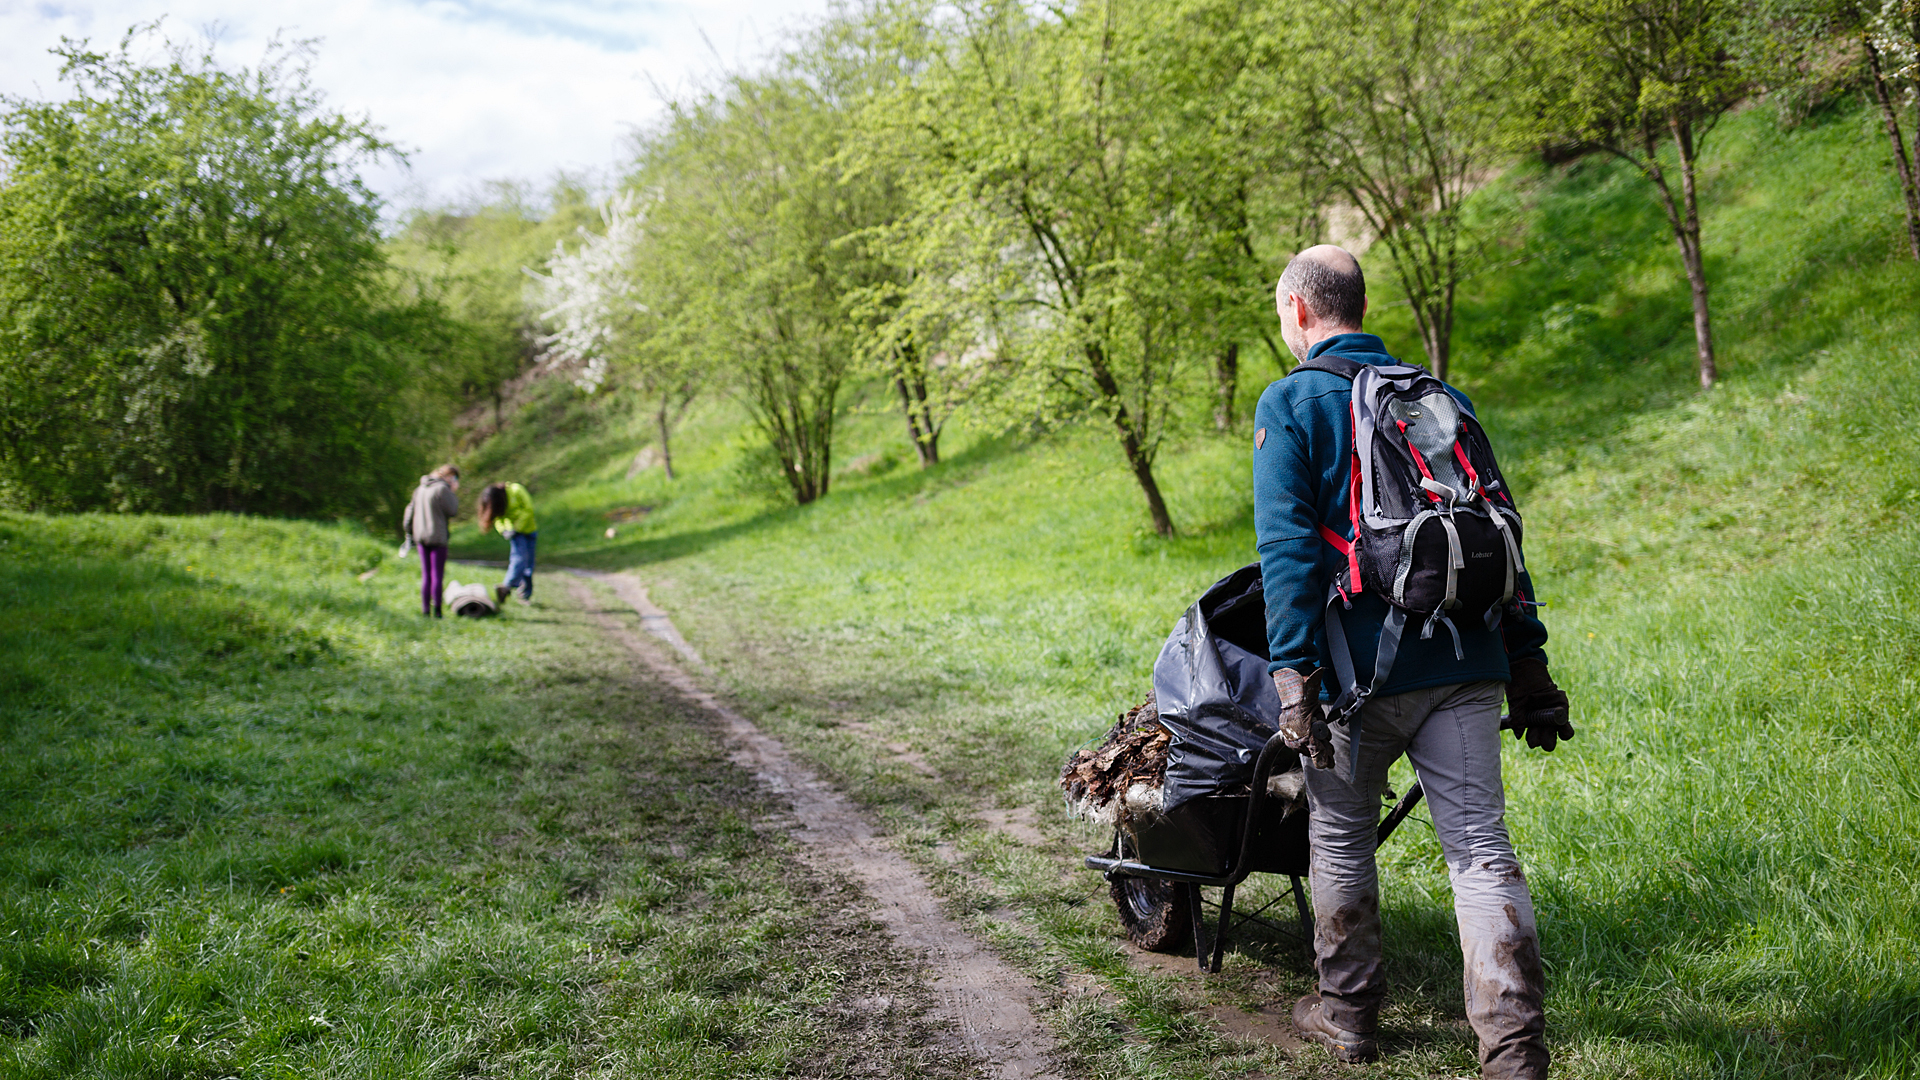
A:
[1212, 690]
[1156, 870]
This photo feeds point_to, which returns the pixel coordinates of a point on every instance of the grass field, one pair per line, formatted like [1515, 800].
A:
[1724, 859]
[260, 819]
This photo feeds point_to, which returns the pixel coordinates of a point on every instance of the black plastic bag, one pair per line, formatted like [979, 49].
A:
[1213, 690]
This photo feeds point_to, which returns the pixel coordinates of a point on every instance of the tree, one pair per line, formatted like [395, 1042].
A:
[1793, 35]
[748, 226]
[194, 313]
[1401, 111]
[1627, 77]
[470, 257]
[1048, 163]
[596, 299]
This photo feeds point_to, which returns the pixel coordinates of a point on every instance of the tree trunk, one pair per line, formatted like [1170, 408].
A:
[496, 410]
[1437, 332]
[920, 428]
[1143, 472]
[1279, 358]
[1226, 378]
[1417, 265]
[1913, 90]
[666, 445]
[911, 382]
[1900, 165]
[1137, 457]
[1690, 255]
[1684, 219]
[797, 419]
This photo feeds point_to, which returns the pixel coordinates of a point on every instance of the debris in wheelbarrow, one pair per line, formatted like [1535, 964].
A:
[1120, 778]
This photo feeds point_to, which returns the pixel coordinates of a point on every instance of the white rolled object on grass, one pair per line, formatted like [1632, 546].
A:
[474, 601]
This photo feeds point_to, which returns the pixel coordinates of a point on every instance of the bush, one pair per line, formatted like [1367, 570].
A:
[193, 309]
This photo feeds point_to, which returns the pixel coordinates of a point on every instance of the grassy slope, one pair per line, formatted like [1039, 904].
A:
[1724, 859]
[258, 818]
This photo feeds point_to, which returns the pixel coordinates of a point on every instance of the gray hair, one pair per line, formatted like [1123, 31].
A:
[1334, 293]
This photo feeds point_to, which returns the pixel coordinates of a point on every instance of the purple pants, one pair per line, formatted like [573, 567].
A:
[433, 575]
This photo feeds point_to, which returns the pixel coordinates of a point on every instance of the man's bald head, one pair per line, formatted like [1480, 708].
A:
[1330, 281]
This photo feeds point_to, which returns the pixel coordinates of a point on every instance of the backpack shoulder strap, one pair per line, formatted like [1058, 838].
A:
[1332, 364]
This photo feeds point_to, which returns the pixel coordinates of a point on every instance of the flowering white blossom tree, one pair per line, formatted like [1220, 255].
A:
[590, 296]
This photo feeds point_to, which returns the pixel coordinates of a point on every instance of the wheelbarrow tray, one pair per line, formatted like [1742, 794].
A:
[1203, 837]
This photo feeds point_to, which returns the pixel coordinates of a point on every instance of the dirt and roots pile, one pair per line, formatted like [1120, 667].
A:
[1120, 778]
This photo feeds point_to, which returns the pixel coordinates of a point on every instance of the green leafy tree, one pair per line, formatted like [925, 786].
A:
[472, 259]
[1086, 218]
[194, 313]
[915, 326]
[1400, 109]
[1796, 42]
[746, 237]
[1634, 77]
[613, 314]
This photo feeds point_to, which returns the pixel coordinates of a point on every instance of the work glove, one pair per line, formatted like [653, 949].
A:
[1536, 709]
[1302, 725]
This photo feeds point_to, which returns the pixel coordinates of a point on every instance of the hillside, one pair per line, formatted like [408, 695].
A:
[1724, 859]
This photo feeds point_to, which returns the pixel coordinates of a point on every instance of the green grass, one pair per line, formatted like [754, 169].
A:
[258, 818]
[1724, 859]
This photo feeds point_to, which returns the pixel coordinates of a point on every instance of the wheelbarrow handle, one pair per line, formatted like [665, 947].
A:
[1256, 801]
[1399, 813]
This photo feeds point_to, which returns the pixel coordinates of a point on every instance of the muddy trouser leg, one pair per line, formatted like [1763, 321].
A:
[1341, 823]
[1457, 754]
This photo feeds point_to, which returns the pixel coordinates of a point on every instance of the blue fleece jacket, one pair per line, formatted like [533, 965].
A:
[1303, 443]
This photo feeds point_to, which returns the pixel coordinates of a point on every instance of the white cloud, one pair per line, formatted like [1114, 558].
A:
[474, 89]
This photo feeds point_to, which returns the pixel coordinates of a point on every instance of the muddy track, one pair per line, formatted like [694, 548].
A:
[990, 1003]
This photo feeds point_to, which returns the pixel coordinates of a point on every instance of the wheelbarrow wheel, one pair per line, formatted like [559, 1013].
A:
[1155, 913]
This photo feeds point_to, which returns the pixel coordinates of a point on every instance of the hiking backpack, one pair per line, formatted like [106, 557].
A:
[1435, 531]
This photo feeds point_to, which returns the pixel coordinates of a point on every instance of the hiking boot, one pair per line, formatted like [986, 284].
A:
[1350, 1047]
[500, 594]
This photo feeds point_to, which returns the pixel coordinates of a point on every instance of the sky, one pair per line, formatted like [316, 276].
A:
[473, 90]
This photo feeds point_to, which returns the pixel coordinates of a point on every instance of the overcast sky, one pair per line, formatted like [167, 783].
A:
[475, 90]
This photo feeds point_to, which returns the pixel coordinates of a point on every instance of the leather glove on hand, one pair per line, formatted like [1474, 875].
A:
[1302, 725]
[1536, 709]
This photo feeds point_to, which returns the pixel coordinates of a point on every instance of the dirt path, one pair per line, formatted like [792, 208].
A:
[990, 1002]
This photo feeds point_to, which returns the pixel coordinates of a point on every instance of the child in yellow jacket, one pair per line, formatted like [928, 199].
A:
[508, 509]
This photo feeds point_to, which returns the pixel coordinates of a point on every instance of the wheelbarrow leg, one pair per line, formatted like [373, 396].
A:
[1306, 914]
[1202, 938]
[1220, 935]
[1209, 942]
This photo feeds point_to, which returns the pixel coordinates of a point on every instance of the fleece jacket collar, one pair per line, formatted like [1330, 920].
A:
[1361, 348]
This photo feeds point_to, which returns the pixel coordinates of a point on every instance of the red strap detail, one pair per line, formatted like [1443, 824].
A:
[1339, 542]
[1465, 464]
[1418, 460]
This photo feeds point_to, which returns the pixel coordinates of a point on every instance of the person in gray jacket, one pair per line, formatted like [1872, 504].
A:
[435, 502]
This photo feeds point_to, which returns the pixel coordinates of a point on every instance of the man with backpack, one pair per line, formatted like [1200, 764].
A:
[1392, 565]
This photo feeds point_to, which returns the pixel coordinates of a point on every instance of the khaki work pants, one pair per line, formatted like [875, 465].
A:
[1451, 735]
